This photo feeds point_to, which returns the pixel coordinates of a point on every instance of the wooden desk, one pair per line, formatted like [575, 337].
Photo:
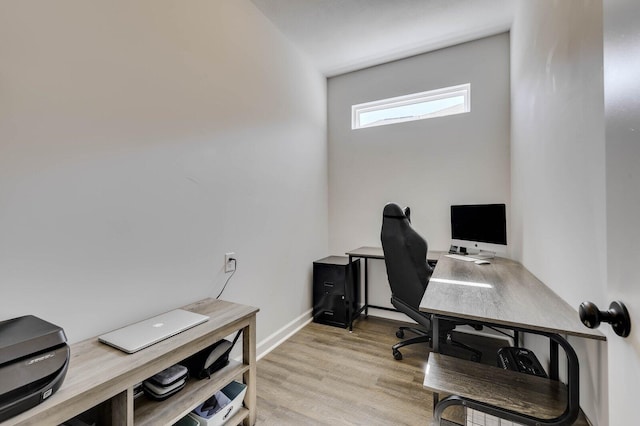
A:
[367, 253]
[505, 294]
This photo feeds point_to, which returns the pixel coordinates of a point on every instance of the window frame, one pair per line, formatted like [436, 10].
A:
[463, 90]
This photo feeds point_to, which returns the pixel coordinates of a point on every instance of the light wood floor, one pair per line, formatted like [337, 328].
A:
[327, 376]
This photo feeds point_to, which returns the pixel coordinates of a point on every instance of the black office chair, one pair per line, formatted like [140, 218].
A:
[405, 255]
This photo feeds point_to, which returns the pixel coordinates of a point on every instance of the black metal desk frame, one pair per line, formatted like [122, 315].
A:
[569, 415]
[515, 298]
[367, 253]
[365, 307]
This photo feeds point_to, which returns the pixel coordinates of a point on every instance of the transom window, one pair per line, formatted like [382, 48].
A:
[417, 106]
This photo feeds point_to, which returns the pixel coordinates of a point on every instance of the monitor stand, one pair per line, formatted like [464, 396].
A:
[483, 254]
[472, 253]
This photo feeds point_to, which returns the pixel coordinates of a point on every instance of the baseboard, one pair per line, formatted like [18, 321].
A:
[279, 336]
[392, 315]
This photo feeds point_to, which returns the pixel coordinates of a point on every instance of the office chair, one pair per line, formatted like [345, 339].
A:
[405, 256]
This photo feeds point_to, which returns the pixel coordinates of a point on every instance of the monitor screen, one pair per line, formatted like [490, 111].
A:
[484, 223]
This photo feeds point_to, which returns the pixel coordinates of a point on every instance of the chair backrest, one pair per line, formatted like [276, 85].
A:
[405, 255]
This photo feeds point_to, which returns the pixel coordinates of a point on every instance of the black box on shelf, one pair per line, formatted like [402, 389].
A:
[520, 359]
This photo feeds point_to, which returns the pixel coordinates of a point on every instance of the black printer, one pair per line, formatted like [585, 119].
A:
[34, 357]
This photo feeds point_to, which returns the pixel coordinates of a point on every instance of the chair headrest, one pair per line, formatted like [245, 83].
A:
[392, 210]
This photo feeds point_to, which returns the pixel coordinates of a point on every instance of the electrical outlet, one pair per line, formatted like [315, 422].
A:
[229, 263]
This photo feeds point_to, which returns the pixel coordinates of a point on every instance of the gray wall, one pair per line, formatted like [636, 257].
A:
[428, 164]
[558, 165]
[139, 142]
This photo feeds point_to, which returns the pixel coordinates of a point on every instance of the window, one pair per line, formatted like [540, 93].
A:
[417, 106]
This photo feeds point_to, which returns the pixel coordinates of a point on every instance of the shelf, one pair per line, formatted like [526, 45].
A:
[238, 417]
[495, 386]
[149, 412]
[526, 394]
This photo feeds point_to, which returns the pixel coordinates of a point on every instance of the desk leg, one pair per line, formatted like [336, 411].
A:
[349, 312]
[366, 287]
[365, 307]
[553, 360]
[435, 334]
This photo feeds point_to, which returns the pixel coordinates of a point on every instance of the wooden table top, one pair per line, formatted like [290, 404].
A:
[501, 293]
[367, 252]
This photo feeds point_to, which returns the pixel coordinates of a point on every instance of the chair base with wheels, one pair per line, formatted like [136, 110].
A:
[422, 337]
[426, 337]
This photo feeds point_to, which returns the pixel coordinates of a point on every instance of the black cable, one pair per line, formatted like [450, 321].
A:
[235, 267]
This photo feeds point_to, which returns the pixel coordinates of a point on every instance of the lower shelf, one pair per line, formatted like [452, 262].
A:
[526, 394]
[169, 411]
[242, 414]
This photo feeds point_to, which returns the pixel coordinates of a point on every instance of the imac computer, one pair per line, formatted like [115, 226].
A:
[479, 230]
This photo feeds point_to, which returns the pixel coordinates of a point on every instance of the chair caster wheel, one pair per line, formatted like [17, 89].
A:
[397, 355]
[400, 334]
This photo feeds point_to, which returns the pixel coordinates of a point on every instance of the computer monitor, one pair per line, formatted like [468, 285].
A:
[480, 229]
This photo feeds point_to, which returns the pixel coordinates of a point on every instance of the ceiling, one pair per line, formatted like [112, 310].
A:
[340, 36]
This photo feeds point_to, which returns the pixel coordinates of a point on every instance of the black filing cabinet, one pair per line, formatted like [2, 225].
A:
[336, 285]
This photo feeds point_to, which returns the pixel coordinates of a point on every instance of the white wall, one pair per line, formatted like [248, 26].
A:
[139, 142]
[558, 164]
[428, 164]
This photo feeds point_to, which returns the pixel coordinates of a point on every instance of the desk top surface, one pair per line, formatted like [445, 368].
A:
[367, 252]
[377, 253]
[502, 293]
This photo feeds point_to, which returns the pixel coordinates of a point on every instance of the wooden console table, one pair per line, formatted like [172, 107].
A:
[103, 378]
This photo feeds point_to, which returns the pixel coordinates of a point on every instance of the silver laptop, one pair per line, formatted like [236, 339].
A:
[140, 335]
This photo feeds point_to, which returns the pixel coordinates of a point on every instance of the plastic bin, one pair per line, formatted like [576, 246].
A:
[229, 399]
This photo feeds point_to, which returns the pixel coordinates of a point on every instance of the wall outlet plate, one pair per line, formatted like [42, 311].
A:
[229, 262]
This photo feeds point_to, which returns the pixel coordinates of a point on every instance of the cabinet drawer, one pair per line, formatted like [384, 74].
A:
[329, 279]
[330, 309]
[322, 287]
